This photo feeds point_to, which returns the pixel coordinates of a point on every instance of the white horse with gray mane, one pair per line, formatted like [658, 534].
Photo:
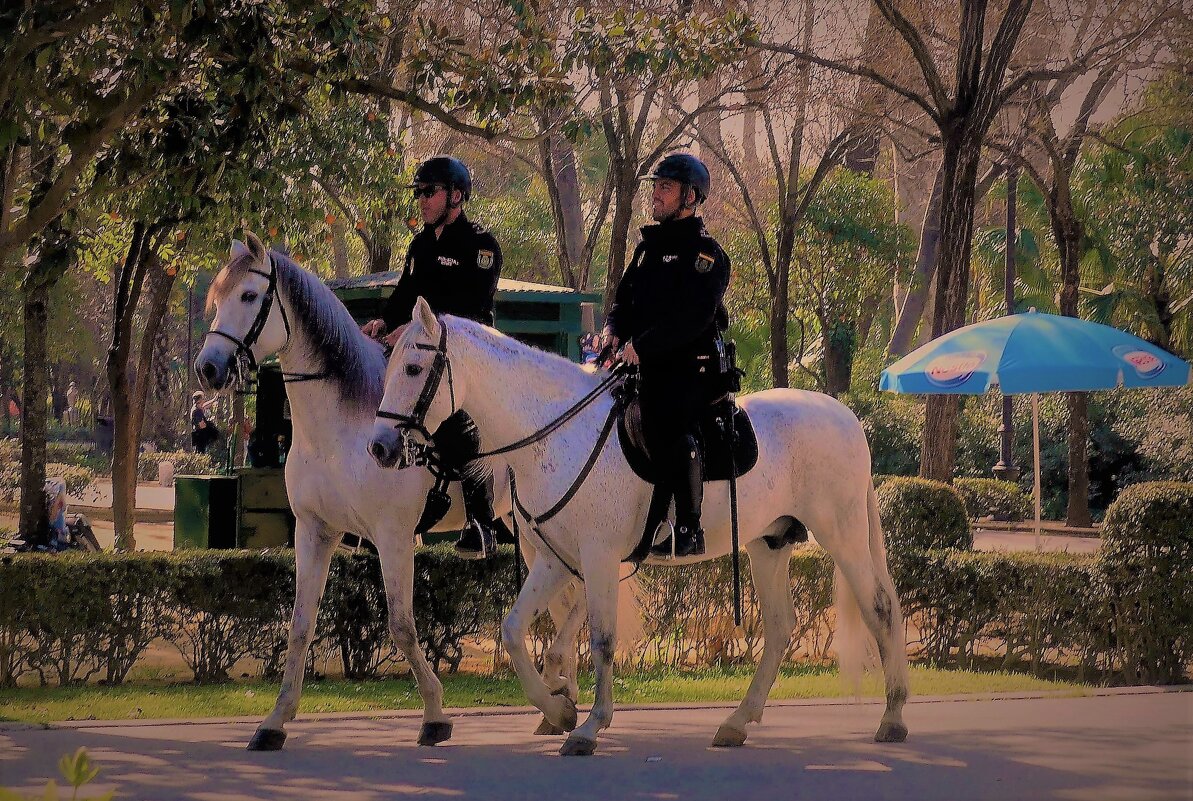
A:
[813, 465]
[264, 304]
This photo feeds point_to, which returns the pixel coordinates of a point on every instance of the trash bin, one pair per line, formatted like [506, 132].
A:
[104, 433]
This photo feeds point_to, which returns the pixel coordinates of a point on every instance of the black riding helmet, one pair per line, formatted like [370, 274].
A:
[686, 169]
[445, 170]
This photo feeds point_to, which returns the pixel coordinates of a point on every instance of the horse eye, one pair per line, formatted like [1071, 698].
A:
[248, 296]
[413, 370]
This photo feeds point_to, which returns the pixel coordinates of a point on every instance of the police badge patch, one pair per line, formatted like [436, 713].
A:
[704, 262]
[484, 259]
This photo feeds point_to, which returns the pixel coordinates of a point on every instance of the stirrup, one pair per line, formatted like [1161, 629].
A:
[487, 537]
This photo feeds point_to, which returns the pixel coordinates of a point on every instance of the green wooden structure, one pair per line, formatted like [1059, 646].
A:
[249, 508]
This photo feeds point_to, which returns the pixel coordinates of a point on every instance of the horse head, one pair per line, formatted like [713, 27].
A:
[249, 321]
[420, 391]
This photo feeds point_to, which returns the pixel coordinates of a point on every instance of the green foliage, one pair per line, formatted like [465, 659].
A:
[76, 769]
[77, 479]
[1147, 563]
[922, 515]
[186, 463]
[989, 497]
[892, 424]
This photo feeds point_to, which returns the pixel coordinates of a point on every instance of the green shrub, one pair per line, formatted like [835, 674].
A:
[922, 515]
[989, 497]
[1147, 563]
[77, 479]
[185, 464]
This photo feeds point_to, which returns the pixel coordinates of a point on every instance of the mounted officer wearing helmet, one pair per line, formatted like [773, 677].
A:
[667, 316]
[454, 264]
[688, 171]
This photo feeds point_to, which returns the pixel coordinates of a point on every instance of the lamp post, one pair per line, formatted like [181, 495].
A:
[1006, 469]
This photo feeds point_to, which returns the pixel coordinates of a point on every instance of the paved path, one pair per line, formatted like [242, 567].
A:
[1114, 746]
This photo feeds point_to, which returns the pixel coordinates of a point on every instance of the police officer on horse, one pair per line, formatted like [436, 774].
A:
[453, 263]
[667, 317]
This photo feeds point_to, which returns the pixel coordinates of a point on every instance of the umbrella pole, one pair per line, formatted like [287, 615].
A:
[1035, 442]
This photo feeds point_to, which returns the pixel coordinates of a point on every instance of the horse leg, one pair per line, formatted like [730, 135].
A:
[772, 584]
[397, 571]
[314, 545]
[559, 662]
[546, 578]
[870, 593]
[600, 588]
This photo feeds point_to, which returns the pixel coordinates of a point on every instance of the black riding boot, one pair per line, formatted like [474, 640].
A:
[688, 485]
[479, 537]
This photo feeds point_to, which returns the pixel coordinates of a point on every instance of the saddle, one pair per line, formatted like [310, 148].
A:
[713, 438]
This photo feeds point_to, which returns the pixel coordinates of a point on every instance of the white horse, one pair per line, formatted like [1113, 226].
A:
[813, 465]
[265, 304]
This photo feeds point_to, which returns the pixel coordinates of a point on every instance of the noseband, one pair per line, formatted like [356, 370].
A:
[417, 419]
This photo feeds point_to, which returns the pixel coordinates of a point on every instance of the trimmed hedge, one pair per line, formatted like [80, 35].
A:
[922, 515]
[73, 617]
[1147, 565]
[186, 463]
[77, 479]
[989, 497]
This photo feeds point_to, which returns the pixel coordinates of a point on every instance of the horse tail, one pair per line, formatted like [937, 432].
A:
[856, 647]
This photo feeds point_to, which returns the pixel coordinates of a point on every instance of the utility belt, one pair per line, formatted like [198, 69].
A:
[713, 367]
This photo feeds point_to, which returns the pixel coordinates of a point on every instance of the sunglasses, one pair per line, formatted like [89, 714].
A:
[426, 191]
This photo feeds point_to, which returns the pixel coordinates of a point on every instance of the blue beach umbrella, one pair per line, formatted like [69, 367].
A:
[1032, 353]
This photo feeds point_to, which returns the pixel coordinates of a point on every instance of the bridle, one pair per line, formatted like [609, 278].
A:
[422, 453]
[245, 360]
[417, 419]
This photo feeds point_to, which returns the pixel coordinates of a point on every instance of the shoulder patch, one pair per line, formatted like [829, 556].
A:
[704, 262]
[484, 259]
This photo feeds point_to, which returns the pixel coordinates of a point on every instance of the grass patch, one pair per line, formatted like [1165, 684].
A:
[42, 705]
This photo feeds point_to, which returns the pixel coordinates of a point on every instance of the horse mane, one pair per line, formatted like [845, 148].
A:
[354, 363]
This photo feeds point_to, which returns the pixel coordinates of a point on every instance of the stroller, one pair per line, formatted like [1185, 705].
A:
[65, 532]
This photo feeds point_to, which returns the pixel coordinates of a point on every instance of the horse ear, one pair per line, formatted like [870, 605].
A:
[256, 248]
[238, 249]
[424, 315]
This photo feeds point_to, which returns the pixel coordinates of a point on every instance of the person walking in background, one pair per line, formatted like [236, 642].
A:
[203, 429]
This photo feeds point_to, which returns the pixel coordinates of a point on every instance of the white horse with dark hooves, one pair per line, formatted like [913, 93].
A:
[265, 304]
[813, 465]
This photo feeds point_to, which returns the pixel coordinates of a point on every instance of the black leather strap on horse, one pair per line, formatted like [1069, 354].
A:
[559, 505]
[560, 421]
[244, 347]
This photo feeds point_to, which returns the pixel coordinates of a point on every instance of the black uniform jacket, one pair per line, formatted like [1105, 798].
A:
[456, 274]
[670, 302]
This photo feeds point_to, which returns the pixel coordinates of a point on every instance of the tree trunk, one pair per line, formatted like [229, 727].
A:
[962, 150]
[912, 310]
[1067, 230]
[125, 429]
[623, 214]
[839, 342]
[339, 247]
[380, 254]
[558, 158]
[780, 356]
[47, 264]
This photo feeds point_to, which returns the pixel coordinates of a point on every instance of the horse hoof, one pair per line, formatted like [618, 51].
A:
[570, 716]
[891, 733]
[547, 728]
[729, 737]
[577, 746]
[267, 740]
[434, 732]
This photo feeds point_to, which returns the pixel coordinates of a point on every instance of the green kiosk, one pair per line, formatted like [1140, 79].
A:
[249, 508]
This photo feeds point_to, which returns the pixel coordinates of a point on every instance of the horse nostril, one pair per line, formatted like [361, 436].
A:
[208, 370]
[378, 450]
